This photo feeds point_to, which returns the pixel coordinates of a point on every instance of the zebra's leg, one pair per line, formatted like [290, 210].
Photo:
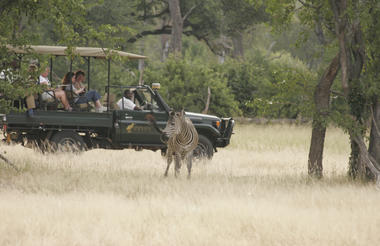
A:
[177, 159]
[189, 160]
[169, 160]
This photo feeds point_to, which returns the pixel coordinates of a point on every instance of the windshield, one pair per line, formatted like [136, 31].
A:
[143, 98]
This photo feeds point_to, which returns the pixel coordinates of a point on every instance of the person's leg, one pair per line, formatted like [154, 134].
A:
[95, 97]
[98, 104]
[30, 105]
[61, 95]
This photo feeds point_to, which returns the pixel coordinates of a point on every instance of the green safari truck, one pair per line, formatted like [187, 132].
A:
[114, 128]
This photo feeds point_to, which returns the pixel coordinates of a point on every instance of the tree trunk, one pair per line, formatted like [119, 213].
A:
[237, 41]
[164, 46]
[374, 141]
[352, 60]
[205, 110]
[177, 27]
[322, 101]
[356, 99]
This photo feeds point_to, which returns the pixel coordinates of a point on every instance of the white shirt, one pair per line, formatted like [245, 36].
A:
[44, 80]
[128, 104]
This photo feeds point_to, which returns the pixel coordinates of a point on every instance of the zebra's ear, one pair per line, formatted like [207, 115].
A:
[182, 112]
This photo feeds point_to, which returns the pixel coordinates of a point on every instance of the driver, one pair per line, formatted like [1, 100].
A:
[126, 101]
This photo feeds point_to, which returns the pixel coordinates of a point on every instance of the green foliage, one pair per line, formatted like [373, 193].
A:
[184, 85]
[279, 87]
[262, 86]
[19, 25]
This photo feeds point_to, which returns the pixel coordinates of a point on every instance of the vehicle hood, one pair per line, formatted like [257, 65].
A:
[196, 117]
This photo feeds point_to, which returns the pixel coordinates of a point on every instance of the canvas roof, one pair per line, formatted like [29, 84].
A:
[82, 51]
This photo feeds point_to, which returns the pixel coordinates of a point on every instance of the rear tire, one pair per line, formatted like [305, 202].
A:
[67, 141]
[204, 150]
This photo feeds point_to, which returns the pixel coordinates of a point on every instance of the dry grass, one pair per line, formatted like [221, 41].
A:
[255, 192]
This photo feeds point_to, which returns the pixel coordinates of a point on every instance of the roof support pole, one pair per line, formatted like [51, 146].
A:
[88, 73]
[108, 87]
[51, 69]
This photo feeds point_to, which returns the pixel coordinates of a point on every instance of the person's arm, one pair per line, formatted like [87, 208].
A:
[137, 108]
[78, 90]
[45, 85]
[119, 104]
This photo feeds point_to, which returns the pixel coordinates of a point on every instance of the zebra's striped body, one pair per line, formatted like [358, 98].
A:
[182, 139]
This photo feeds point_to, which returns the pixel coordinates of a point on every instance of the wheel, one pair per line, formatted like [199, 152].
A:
[204, 149]
[67, 141]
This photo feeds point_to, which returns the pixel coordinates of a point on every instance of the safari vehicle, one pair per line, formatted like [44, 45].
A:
[113, 129]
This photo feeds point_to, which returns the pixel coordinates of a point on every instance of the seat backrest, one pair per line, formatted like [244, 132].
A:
[112, 101]
[69, 95]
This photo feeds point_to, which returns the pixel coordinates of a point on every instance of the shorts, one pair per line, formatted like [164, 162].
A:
[48, 96]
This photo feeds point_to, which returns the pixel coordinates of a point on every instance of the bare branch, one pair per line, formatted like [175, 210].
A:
[189, 12]
[8, 162]
[310, 5]
[164, 30]
[146, 17]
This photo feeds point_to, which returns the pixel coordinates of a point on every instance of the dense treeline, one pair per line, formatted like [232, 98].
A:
[282, 59]
[218, 51]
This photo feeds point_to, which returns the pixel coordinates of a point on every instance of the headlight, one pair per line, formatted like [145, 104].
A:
[216, 124]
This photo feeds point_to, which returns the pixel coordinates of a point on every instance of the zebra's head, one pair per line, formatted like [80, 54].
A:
[174, 124]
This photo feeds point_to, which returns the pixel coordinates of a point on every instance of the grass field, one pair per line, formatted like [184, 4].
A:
[254, 192]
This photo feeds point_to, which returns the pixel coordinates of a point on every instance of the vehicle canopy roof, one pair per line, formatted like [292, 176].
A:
[81, 51]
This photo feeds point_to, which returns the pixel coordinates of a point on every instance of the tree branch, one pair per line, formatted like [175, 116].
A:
[8, 162]
[309, 5]
[163, 12]
[203, 38]
[189, 12]
[164, 30]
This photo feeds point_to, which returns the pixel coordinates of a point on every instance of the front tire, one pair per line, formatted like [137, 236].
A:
[67, 141]
[204, 150]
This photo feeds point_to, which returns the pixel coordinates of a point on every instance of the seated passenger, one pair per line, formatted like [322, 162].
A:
[50, 94]
[29, 97]
[67, 81]
[81, 95]
[126, 101]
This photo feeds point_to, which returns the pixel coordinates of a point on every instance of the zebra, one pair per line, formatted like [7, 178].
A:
[181, 138]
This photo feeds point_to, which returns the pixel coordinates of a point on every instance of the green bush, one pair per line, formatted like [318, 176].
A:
[184, 84]
[277, 86]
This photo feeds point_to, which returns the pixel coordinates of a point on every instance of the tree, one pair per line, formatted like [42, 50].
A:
[310, 15]
[322, 105]
[238, 17]
[342, 19]
[371, 25]
[19, 26]
[351, 46]
[177, 26]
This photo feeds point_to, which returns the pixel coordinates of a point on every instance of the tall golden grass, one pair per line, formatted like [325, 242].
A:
[254, 192]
